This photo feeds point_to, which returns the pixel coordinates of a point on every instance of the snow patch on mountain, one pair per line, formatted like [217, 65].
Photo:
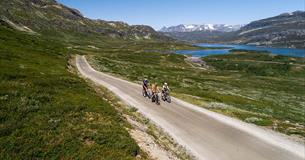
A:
[189, 26]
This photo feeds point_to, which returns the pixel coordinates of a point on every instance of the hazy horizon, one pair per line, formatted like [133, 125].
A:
[160, 13]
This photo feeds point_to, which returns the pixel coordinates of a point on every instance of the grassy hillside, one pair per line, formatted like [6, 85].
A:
[49, 113]
[258, 88]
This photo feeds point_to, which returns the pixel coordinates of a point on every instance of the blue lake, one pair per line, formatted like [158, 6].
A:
[278, 51]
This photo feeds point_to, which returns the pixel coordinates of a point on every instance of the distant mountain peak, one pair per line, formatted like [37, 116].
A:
[201, 27]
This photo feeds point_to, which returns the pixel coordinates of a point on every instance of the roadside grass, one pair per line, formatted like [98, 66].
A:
[263, 89]
[49, 113]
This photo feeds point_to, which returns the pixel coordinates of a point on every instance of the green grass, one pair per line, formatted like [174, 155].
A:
[258, 64]
[49, 113]
[255, 85]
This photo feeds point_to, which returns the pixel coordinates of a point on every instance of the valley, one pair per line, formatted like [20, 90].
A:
[49, 110]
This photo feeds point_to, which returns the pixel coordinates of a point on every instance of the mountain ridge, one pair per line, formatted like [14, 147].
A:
[43, 16]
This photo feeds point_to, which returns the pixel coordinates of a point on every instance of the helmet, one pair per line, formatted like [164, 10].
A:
[165, 84]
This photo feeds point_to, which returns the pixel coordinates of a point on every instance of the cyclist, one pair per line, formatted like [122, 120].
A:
[165, 88]
[145, 86]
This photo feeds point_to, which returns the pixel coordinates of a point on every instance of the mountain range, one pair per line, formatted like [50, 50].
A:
[51, 18]
[284, 30]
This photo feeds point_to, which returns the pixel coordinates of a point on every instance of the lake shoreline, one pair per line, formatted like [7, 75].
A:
[220, 49]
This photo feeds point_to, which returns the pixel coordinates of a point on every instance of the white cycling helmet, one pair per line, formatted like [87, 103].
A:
[165, 83]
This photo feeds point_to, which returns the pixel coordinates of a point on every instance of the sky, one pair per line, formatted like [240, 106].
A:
[159, 13]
